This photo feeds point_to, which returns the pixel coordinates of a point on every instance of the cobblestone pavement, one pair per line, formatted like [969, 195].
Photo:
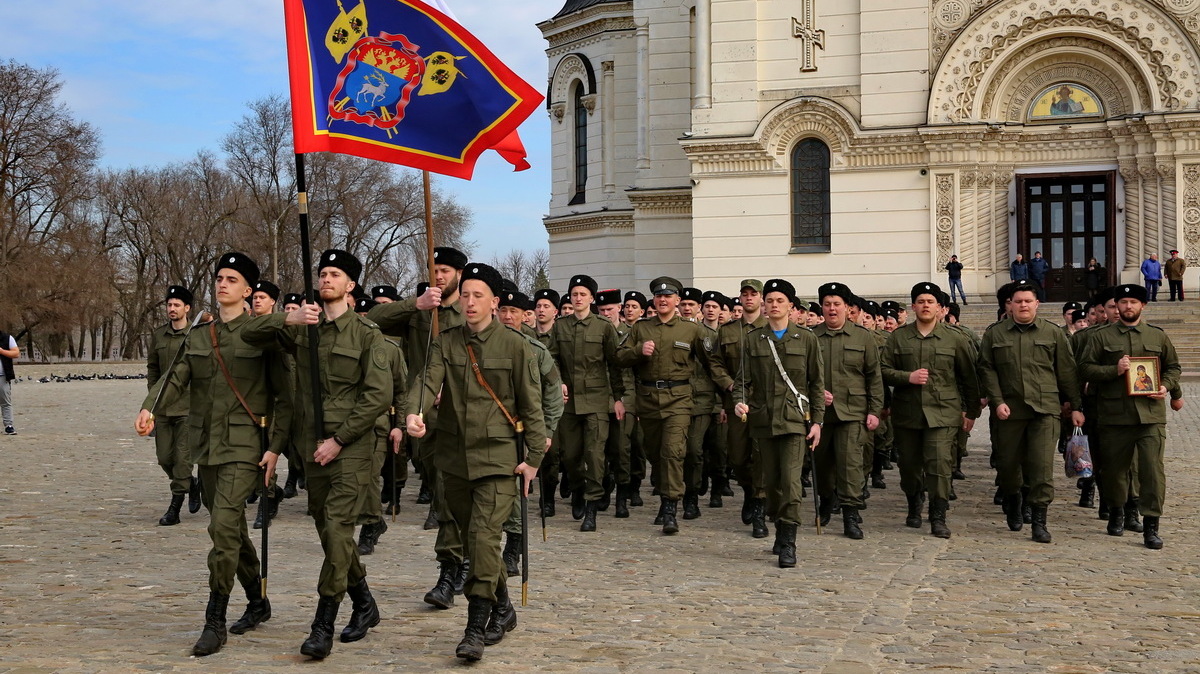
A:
[90, 583]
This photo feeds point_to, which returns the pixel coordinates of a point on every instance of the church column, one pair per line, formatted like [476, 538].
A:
[1168, 224]
[608, 125]
[1002, 247]
[643, 93]
[702, 55]
[945, 214]
[1133, 214]
[1191, 213]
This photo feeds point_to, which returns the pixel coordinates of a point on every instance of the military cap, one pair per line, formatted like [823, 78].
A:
[713, 296]
[638, 297]
[1078, 315]
[834, 290]
[1173, 252]
[945, 300]
[340, 259]
[1133, 290]
[422, 287]
[585, 281]
[1071, 306]
[241, 263]
[872, 308]
[814, 308]
[451, 257]
[180, 293]
[735, 301]
[1103, 295]
[267, 287]
[548, 294]
[293, 298]
[481, 272]
[750, 283]
[507, 286]
[955, 310]
[389, 292]
[926, 288]
[357, 292]
[891, 313]
[364, 304]
[692, 294]
[665, 285]
[564, 300]
[510, 296]
[605, 297]
[778, 285]
[891, 305]
[1019, 286]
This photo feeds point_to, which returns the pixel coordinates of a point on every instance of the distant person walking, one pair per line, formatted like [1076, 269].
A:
[1038, 267]
[1174, 268]
[954, 272]
[1152, 273]
[1019, 269]
[8, 353]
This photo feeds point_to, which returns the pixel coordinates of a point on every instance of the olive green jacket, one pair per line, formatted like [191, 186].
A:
[164, 343]
[850, 358]
[953, 387]
[403, 319]
[705, 398]
[399, 399]
[585, 351]
[1098, 366]
[1030, 369]
[678, 344]
[727, 361]
[773, 408]
[474, 438]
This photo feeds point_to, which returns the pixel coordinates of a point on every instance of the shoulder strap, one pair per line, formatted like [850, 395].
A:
[800, 398]
[212, 332]
[516, 423]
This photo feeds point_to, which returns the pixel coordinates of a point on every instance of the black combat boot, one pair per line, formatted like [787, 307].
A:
[258, 609]
[635, 494]
[937, 517]
[589, 515]
[431, 520]
[914, 511]
[747, 505]
[622, 502]
[564, 489]
[319, 643]
[460, 580]
[1026, 508]
[605, 501]
[369, 535]
[825, 508]
[289, 487]
[171, 517]
[364, 614]
[787, 548]
[778, 546]
[691, 505]
[1012, 512]
[548, 497]
[424, 496]
[877, 481]
[998, 497]
[512, 553]
[194, 500]
[1087, 493]
[270, 506]
[718, 490]
[213, 637]
[1040, 533]
[758, 526]
[578, 504]
[958, 474]
[503, 617]
[442, 594]
[662, 507]
[393, 508]
[1116, 522]
[1131, 516]
[669, 525]
[806, 476]
[850, 523]
[471, 646]
[1150, 533]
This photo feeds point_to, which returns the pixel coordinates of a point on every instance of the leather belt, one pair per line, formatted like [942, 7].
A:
[664, 383]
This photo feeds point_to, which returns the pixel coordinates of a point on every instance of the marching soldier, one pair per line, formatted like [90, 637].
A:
[608, 305]
[489, 384]
[632, 458]
[853, 402]
[714, 306]
[545, 309]
[585, 348]
[661, 352]
[784, 402]
[1131, 425]
[1028, 370]
[266, 295]
[936, 391]
[341, 464]
[228, 397]
[705, 401]
[171, 441]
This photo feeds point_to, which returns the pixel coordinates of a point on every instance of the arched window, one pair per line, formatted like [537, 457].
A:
[579, 193]
[810, 197]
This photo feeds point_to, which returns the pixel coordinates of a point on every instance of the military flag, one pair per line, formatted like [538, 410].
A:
[400, 81]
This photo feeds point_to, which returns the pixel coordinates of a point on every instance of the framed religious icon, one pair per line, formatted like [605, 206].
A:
[1065, 101]
[1143, 377]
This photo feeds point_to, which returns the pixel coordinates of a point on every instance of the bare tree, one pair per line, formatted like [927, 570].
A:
[524, 268]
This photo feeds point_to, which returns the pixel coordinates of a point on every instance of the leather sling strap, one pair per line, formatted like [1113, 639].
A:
[516, 423]
[212, 332]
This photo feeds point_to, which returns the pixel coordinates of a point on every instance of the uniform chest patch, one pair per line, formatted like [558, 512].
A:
[683, 345]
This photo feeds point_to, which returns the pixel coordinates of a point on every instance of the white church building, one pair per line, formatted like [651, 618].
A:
[869, 140]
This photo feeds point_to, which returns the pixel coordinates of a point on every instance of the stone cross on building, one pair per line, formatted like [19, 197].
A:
[806, 29]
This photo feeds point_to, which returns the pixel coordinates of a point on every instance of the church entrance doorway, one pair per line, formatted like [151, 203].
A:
[1070, 219]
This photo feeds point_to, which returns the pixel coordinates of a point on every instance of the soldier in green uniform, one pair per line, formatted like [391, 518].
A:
[783, 401]
[545, 309]
[1028, 370]
[414, 319]
[608, 306]
[662, 352]
[1132, 426]
[950, 314]
[936, 391]
[341, 463]
[853, 402]
[585, 347]
[477, 451]
[295, 461]
[386, 294]
[726, 365]
[224, 439]
[170, 439]
[704, 402]
[632, 460]
[716, 441]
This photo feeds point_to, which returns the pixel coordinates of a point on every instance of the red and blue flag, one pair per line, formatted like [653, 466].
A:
[400, 81]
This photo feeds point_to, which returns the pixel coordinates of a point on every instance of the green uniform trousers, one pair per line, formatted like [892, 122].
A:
[1127, 447]
[338, 494]
[716, 449]
[782, 461]
[744, 456]
[171, 450]
[482, 506]
[224, 490]
[1024, 455]
[583, 437]
[373, 510]
[926, 460]
[619, 446]
[448, 547]
[666, 444]
[693, 462]
[841, 463]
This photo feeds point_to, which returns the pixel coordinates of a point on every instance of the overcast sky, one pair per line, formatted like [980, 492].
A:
[163, 79]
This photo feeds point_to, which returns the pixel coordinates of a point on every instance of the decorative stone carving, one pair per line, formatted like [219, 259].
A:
[589, 103]
[569, 70]
[1012, 104]
[951, 14]
[945, 209]
[1191, 213]
[813, 38]
[558, 111]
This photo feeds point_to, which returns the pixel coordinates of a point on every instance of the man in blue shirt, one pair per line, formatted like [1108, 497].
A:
[1152, 273]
